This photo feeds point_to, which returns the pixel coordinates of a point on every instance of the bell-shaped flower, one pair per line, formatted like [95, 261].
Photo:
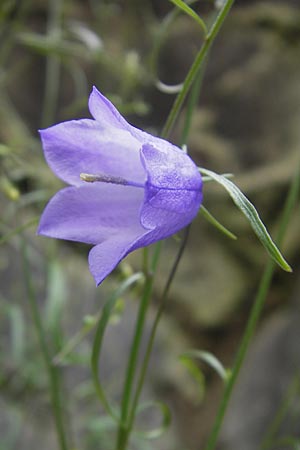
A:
[128, 189]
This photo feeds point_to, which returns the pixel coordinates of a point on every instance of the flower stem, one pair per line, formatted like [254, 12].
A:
[124, 429]
[254, 316]
[192, 102]
[209, 38]
[52, 371]
[160, 310]
[127, 413]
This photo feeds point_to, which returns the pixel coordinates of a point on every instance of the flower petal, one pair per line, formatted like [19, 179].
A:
[170, 168]
[86, 146]
[103, 258]
[93, 213]
[168, 211]
[173, 191]
[105, 113]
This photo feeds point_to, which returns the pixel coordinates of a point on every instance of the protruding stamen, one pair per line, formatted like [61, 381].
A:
[92, 178]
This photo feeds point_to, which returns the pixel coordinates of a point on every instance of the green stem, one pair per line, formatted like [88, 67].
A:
[195, 67]
[149, 348]
[213, 221]
[123, 432]
[254, 317]
[192, 102]
[52, 371]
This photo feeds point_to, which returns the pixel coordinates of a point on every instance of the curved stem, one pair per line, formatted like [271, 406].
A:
[254, 317]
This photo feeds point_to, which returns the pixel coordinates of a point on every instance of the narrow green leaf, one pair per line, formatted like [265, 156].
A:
[165, 422]
[209, 359]
[207, 178]
[190, 12]
[213, 221]
[251, 214]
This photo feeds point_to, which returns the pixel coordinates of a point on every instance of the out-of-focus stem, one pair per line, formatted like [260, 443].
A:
[52, 371]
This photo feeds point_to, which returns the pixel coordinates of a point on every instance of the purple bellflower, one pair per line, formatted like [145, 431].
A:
[128, 189]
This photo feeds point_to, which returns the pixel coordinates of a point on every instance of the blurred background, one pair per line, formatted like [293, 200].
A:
[246, 122]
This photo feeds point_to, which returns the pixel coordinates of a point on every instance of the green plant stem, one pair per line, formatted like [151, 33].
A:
[254, 317]
[123, 431]
[52, 371]
[126, 427]
[192, 102]
[195, 67]
[160, 310]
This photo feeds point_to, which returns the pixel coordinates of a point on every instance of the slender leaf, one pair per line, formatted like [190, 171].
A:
[207, 179]
[251, 214]
[190, 12]
[209, 359]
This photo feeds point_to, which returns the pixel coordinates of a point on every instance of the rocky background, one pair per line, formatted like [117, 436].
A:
[246, 122]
